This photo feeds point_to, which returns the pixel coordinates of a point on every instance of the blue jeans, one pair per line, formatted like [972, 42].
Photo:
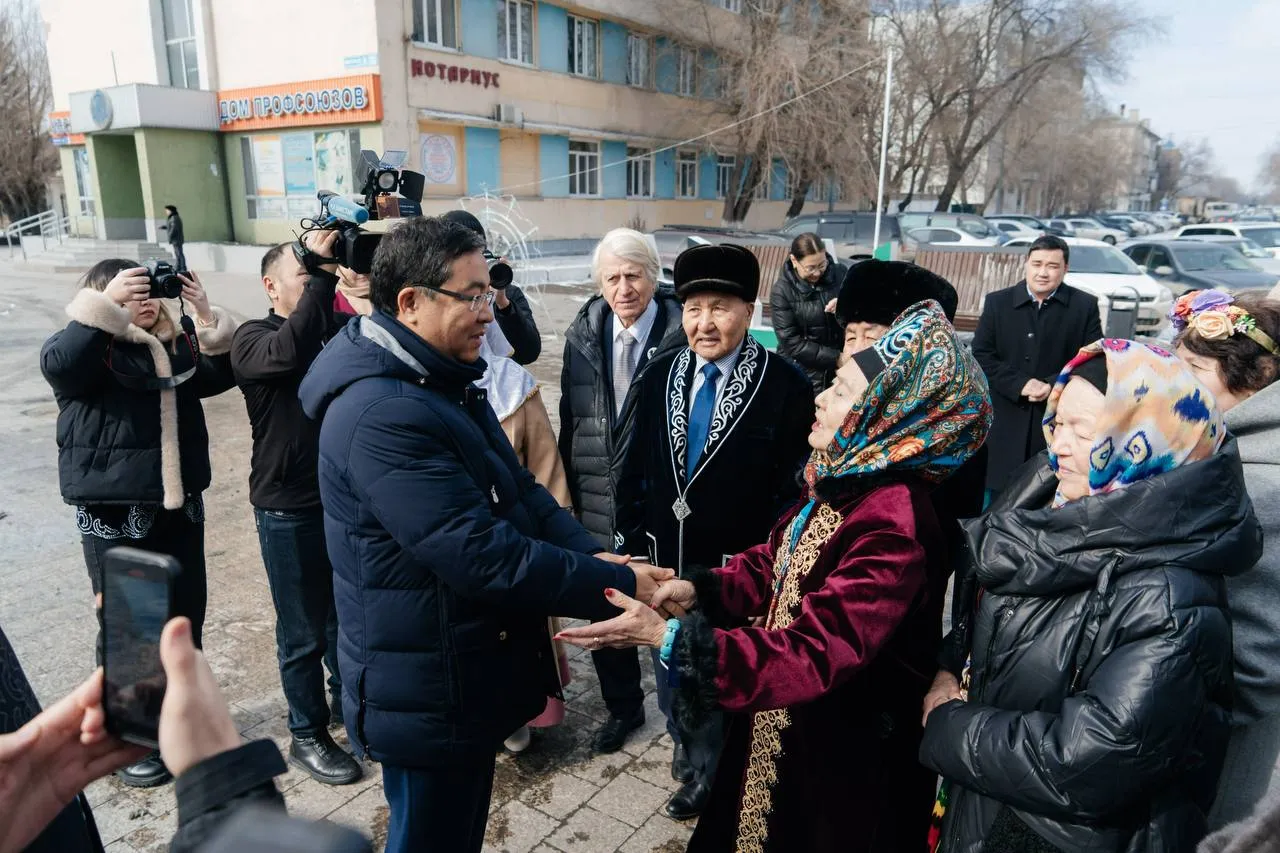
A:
[438, 810]
[301, 581]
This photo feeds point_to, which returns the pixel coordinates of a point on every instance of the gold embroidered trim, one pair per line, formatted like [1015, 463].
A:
[786, 605]
[767, 726]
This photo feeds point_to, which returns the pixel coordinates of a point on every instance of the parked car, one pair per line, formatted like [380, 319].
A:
[852, 232]
[1104, 271]
[1185, 265]
[1034, 223]
[950, 236]
[674, 239]
[1016, 228]
[970, 223]
[1257, 255]
[1128, 221]
[1265, 234]
[1089, 228]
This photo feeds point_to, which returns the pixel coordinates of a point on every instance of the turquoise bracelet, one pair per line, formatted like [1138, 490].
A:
[669, 640]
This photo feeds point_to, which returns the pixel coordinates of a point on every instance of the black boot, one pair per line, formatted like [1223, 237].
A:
[689, 801]
[147, 773]
[324, 760]
[335, 712]
[613, 734]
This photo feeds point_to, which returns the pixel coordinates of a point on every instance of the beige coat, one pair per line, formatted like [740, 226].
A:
[529, 430]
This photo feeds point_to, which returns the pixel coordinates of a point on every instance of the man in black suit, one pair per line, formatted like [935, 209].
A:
[1025, 335]
[722, 429]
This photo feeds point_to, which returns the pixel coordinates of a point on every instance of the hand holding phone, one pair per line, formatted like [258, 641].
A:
[137, 601]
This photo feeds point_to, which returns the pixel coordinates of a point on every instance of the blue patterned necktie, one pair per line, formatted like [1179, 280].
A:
[700, 418]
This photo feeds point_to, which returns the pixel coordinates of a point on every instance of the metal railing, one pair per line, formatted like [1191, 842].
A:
[49, 224]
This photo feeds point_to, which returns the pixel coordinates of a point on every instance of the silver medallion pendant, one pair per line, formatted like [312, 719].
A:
[681, 509]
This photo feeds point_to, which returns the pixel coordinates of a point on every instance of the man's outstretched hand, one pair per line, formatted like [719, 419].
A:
[648, 579]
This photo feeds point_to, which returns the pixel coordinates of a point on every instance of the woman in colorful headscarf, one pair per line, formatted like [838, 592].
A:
[1097, 715]
[1232, 345]
[820, 643]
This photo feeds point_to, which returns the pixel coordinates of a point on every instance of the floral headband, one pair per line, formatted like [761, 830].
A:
[1214, 316]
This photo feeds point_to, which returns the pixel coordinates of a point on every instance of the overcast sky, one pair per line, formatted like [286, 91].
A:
[1212, 74]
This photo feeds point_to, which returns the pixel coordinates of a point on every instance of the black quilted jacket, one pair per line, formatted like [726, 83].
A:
[1101, 672]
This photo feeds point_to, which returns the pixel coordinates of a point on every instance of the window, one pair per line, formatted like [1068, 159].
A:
[84, 184]
[788, 184]
[687, 67]
[762, 188]
[638, 53]
[180, 43]
[582, 47]
[435, 23]
[584, 168]
[1138, 254]
[639, 173]
[724, 172]
[515, 31]
[687, 174]
[731, 5]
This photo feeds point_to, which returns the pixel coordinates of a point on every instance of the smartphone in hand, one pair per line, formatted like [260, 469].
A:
[137, 601]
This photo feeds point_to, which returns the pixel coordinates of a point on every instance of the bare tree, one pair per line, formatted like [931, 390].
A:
[806, 56]
[25, 99]
[1268, 180]
[976, 63]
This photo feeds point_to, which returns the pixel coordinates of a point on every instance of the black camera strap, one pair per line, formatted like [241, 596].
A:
[311, 261]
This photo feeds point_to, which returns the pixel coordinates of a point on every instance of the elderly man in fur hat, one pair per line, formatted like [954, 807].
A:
[726, 426]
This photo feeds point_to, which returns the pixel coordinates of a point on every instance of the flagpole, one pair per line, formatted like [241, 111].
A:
[884, 148]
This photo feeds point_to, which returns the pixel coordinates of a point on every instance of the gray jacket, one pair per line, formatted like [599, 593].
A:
[1254, 604]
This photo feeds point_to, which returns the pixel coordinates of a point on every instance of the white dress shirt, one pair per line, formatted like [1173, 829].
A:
[639, 330]
[724, 365]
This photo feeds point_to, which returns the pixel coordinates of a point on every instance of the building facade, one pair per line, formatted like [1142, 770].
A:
[239, 111]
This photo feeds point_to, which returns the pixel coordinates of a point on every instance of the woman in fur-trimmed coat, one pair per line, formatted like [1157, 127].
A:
[133, 451]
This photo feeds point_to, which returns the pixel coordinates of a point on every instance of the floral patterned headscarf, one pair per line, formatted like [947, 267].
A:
[1156, 416]
[927, 412]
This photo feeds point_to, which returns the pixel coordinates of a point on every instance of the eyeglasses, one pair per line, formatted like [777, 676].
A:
[821, 267]
[480, 300]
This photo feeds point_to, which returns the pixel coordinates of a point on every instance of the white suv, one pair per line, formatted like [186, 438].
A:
[1265, 234]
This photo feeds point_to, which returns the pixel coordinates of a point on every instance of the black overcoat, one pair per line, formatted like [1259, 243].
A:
[747, 476]
[1016, 342]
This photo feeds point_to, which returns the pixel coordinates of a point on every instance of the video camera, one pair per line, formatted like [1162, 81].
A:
[389, 191]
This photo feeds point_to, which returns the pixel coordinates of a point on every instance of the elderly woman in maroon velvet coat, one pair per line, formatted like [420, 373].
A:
[820, 643]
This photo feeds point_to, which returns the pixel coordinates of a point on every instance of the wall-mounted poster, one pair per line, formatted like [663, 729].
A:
[333, 161]
[268, 163]
[439, 158]
[299, 165]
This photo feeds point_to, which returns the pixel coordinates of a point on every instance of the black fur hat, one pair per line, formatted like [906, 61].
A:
[876, 291]
[724, 268]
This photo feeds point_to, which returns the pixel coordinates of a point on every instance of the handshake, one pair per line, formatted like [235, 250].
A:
[659, 596]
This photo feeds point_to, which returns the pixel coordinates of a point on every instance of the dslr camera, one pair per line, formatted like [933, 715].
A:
[389, 192]
[165, 283]
[500, 272]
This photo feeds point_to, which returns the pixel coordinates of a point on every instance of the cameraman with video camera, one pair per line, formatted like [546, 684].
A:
[269, 357]
[128, 373]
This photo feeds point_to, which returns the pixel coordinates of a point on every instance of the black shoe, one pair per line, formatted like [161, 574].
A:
[681, 769]
[147, 773]
[613, 734]
[324, 760]
[335, 712]
[688, 802]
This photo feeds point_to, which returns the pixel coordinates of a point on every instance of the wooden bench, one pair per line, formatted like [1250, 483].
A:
[974, 272]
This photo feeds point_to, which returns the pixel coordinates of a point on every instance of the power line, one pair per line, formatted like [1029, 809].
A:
[699, 138]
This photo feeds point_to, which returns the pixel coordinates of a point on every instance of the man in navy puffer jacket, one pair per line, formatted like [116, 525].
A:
[447, 556]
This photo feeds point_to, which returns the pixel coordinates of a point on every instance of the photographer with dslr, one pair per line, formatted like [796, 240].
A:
[269, 357]
[510, 306]
[128, 373]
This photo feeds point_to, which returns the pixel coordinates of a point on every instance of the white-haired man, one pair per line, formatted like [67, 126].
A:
[607, 348]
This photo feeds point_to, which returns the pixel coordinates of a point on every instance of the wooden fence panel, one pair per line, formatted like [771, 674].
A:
[974, 273]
